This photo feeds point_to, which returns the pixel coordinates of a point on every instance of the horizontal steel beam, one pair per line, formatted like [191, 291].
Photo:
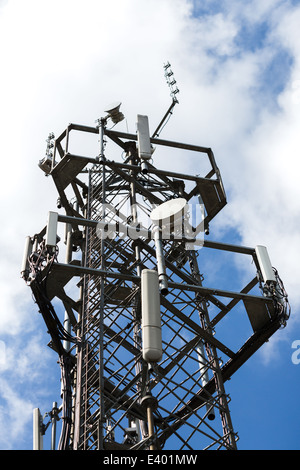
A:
[117, 226]
[228, 247]
[80, 270]
[121, 228]
[167, 143]
[166, 173]
[128, 136]
[219, 292]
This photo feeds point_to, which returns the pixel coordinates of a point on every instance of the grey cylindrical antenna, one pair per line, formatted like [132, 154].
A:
[151, 321]
[26, 254]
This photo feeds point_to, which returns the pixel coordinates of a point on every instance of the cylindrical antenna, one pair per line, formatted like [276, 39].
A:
[27, 253]
[151, 321]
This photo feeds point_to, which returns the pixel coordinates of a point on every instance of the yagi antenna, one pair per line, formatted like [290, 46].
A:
[172, 84]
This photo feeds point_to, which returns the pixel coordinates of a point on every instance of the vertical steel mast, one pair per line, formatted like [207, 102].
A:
[143, 367]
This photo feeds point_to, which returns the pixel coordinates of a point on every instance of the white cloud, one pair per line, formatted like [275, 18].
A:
[256, 140]
[13, 416]
[215, 33]
[23, 369]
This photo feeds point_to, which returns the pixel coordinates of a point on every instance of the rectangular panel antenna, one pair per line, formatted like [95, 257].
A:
[265, 264]
[143, 135]
[37, 430]
[51, 232]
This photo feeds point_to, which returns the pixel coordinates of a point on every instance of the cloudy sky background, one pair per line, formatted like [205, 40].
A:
[237, 65]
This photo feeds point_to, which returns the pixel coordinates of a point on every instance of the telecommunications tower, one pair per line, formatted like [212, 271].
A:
[145, 347]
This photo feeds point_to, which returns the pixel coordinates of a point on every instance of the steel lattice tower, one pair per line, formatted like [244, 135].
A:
[112, 398]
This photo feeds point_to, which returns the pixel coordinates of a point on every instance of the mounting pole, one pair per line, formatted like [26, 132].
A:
[150, 403]
[54, 419]
[169, 112]
[161, 268]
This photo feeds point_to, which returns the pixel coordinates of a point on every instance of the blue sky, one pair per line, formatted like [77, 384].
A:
[237, 65]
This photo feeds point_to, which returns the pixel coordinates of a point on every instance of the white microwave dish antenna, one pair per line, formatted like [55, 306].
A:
[169, 212]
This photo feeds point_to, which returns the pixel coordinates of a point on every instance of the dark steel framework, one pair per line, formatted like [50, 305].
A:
[111, 398]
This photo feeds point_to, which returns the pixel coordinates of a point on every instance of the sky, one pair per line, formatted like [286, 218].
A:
[237, 66]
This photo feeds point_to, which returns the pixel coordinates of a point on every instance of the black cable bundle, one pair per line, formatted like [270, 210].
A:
[58, 334]
[281, 297]
[56, 330]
